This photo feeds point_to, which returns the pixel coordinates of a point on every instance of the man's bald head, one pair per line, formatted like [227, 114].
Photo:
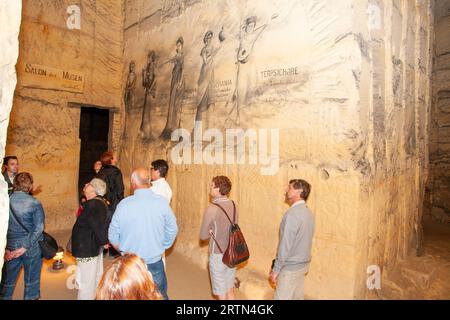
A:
[140, 178]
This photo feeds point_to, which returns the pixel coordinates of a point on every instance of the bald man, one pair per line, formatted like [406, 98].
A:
[144, 224]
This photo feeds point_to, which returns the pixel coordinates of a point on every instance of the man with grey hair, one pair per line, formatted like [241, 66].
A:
[89, 236]
[99, 186]
[144, 224]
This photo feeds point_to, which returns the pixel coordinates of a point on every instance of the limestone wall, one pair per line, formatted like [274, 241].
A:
[10, 14]
[395, 109]
[439, 184]
[82, 66]
[346, 84]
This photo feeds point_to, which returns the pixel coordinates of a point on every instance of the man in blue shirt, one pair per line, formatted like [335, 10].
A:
[144, 224]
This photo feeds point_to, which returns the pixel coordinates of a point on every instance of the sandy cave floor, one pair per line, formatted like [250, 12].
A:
[426, 277]
[186, 281]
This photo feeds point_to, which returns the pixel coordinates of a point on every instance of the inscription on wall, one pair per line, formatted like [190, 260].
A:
[44, 77]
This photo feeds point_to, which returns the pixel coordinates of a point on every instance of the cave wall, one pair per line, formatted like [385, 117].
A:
[438, 202]
[396, 106]
[301, 79]
[10, 15]
[62, 67]
[346, 84]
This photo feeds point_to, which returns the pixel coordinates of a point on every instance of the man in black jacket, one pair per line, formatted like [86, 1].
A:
[89, 235]
[11, 167]
[114, 186]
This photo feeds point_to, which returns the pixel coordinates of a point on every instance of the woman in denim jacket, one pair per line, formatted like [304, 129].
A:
[22, 248]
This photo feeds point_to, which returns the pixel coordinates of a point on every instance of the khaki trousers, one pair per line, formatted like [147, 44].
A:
[290, 285]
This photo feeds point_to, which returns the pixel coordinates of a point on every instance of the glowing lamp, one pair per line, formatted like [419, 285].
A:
[58, 264]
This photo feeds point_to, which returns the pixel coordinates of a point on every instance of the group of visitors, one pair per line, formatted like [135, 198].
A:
[138, 229]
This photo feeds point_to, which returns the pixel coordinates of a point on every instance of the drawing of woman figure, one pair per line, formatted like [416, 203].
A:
[205, 92]
[148, 82]
[128, 96]
[176, 90]
[246, 72]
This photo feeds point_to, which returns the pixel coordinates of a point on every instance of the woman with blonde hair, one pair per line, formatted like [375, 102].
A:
[127, 279]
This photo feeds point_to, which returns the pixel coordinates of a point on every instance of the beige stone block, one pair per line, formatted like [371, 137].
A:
[332, 271]
[47, 143]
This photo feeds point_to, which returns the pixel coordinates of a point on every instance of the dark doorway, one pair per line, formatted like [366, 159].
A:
[94, 129]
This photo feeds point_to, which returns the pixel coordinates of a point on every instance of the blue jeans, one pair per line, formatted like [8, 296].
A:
[159, 277]
[32, 276]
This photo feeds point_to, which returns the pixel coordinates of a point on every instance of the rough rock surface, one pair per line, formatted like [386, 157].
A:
[10, 15]
[438, 204]
[424, 277]
[44, 126]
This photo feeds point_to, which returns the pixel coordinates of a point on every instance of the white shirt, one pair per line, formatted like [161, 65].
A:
[162, 188]
[297, 203]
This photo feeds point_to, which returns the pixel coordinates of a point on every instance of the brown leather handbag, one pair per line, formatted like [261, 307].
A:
[237, 250]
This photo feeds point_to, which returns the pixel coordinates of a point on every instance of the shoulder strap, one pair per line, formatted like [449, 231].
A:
[17, 219]
[218, 246]
[7, 179]
[234, 216]
[234, 212]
